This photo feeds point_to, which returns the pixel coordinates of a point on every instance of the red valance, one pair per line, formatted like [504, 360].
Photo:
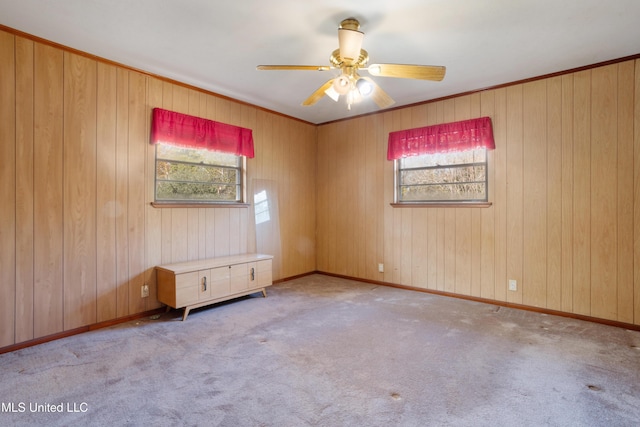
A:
[193, 132]
[447, 137]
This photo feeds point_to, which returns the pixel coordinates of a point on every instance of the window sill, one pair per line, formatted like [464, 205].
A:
[442, 205]
[199, 205]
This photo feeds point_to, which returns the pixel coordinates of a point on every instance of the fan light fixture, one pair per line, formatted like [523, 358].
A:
[350, 58]
[331, 93]
[364, 87]
[353, 86]
[342, 84]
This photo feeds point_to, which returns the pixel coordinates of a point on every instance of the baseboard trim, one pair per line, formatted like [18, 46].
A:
[107, 323]
[297, 276]
[80, 330]
[608, 322]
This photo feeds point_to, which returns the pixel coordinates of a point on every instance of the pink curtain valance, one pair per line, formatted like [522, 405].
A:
[193, 132]
[447, 137]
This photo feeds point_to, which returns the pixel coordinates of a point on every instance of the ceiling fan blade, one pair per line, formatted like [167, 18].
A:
[422, 72]
[379, 96]
[294, 67]
[319, 93]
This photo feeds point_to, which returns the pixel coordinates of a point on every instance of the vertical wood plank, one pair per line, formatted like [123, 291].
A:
[554, 193]
[500, 191]
[515, 198]
[383, 167]
[636, 194]
[362, 248]
[419, 247]
[582, 193]
[48, 190]
[567, 192]
[24, 185]
[138, 140]
[8, 190]
[153, 223]
[106, 208]
[604, 153]
[625, 183]
[122, 192]
[534, 261]
[371, 157]
[222, 232]
[387, 211]
[79, 191]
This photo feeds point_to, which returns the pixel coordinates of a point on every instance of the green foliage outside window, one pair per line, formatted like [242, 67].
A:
[443, 177]
[197, 176]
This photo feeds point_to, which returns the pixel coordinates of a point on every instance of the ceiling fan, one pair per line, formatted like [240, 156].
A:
[350, 58]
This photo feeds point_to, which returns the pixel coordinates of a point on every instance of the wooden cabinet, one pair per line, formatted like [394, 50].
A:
[195, 284]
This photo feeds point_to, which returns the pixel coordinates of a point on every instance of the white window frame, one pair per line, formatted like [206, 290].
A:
[240, 192]
[449, 202]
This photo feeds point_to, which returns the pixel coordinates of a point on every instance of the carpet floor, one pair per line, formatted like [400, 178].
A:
[324, 351]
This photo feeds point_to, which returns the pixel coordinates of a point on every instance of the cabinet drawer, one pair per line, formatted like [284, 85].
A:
[187, 279]
[187, 295]
[187, 288]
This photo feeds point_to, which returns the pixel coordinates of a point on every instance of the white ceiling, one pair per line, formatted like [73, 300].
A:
[216, 44]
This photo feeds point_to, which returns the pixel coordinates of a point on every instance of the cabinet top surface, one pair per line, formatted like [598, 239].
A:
[201, 264]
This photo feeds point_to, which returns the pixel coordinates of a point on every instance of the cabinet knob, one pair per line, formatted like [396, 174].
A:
[204, 282]
[253, 274]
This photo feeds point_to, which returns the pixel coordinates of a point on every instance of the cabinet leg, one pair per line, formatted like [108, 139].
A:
[168, 309]
[264, 292]
[186, 313]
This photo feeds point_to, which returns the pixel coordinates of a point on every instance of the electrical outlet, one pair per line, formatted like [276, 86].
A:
[144, 292]
[381, 268]
[513, 285]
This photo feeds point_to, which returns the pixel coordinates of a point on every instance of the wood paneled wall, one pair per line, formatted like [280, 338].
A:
[78, 236]
[564, 182]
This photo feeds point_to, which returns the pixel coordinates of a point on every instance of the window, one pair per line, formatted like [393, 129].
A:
[459, 176]
[196, 175]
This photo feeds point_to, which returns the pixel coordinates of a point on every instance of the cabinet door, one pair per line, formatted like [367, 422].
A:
[264, 273]
[219, 282]
[204, 285]
[186, 288]
[238, 278]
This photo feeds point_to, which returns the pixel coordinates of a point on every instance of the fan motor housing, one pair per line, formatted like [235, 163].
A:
[338, 62]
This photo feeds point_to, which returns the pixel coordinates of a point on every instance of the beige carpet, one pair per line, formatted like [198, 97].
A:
[322, 351]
